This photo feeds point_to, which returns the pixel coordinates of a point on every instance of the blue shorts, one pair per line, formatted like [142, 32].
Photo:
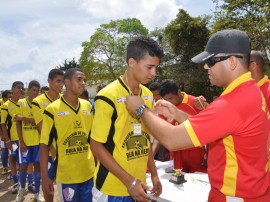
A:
[15, 149]
[76, 192]
[99, 196]
[30, 156]
[51, 168]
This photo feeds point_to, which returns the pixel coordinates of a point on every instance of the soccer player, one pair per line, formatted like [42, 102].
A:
[256, 67]
[192, 159]
[236, 123]
[28, 140]
[119, 141]
[8, 124]
[4, 151]
[55, 80]
[68, 121]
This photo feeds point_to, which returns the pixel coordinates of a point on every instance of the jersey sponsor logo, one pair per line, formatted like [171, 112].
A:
[63, 113]
[87, 112]
[44, 104]
[76, 143]
[121, 99]
[11, 107]
[149, 98]
[137, 145]
[77, 124]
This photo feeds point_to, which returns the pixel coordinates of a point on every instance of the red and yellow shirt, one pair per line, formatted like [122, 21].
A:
[237, 125]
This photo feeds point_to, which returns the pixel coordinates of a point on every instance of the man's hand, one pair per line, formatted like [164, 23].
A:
[133, 102]
[200, 103]
[18, 117]
[47, 188]
[9, 145]
[157, 187]
[138, 192]
[23, 147]
[166, 109]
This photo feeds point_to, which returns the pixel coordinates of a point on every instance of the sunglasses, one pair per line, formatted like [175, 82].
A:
[213, 60]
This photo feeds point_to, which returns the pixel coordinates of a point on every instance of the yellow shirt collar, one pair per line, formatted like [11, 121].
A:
[241, 79]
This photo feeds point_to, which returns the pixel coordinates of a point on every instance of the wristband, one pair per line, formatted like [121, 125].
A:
[132, 185]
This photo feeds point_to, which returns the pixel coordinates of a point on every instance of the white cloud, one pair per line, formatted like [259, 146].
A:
[37, 35]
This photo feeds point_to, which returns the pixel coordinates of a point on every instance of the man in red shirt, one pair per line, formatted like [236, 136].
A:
[256, 67]
[237, 123]
[192, 159]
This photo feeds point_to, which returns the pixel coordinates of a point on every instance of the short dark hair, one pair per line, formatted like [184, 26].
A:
[69, 72]
[55, 72]
[138, 47]
[100, 86]
[16, 83]
[168, 86]
[257, 57]
[5, 93]
[154, 86]
[33, 83]
[44, 88]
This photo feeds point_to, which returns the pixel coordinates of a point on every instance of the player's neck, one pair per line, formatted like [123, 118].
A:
[71, 99]
[15, 98]
[53, 95]
[132, 84]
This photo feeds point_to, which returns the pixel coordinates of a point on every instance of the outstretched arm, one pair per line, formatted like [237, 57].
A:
[172, 137]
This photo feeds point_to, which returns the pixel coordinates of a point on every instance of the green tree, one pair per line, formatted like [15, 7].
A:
[68, 64]
[103, 57]
[252, 16]
[187, 37]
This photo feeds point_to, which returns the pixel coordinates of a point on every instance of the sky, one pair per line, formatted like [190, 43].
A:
[37, 35]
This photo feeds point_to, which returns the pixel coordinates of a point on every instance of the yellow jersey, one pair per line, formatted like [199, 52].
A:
[29, 131]
[70, 128]
[114, 126]
[8, 111]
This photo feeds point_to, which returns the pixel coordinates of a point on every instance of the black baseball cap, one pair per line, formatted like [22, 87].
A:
[225, 41]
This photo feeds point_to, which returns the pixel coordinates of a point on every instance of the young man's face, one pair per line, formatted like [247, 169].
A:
[77, 83]
[33, 92]
[145, 69]
[9, 95]
[18, 91]
[57, 83]
[172, 98]
[156, 95]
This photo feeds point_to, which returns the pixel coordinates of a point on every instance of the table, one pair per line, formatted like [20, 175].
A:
[196, 188]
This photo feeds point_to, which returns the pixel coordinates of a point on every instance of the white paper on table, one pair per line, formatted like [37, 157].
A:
[163, 165]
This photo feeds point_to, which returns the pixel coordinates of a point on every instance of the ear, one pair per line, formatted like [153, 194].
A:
[252, 65]
[233, 62]
[131, 62]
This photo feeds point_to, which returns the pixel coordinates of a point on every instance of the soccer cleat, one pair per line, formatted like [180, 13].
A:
[20, 196]
[4, 171]
[14, 189]
[39, 197]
